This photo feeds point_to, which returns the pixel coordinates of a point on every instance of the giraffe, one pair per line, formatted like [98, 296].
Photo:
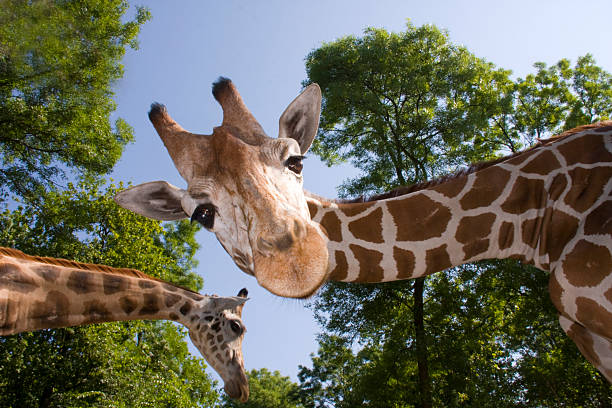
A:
[550, 206]
[42, 293]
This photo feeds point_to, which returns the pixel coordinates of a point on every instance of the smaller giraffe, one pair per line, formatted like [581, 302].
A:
[42, 293]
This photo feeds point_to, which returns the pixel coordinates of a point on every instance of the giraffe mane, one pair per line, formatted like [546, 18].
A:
[403, 190]
[15, 253]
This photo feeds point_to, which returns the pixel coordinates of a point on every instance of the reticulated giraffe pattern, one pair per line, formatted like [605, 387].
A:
[550, 206]
[41, 293]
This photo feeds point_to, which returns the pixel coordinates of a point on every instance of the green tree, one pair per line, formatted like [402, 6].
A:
[120, 364]
[406, 107]
[403, 107]
[267, 390]
[329, 381]
[58, 60]
[560, 97]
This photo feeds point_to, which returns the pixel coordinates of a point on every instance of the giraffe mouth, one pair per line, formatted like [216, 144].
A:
[238, 389]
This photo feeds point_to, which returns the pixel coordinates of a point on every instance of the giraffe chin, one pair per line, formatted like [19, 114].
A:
[297, 272]
[237, 390]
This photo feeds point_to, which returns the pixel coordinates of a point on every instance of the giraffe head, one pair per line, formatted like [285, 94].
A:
[216, 329]
[246, 188]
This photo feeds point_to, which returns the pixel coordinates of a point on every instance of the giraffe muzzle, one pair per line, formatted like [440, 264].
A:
[270, 243]
[238, 388]
[294, 270]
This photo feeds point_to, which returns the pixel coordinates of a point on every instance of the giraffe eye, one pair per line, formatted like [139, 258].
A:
[294, 163]
[205, 215]
[236, 327]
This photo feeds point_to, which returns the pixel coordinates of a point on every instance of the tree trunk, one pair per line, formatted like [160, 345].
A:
[45, 399]
[421, 346]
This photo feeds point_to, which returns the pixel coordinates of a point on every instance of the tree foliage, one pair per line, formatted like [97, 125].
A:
[58, 60]
[405, 107]
[267, 390]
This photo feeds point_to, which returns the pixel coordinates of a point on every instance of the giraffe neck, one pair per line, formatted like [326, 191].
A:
[41, 293]
[509, 208]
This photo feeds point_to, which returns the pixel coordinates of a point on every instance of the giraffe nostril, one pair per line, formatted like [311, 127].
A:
[264, 245]
[299, 229]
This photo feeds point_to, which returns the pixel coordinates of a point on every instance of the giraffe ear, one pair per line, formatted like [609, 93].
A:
[157, 199]
[300, 121]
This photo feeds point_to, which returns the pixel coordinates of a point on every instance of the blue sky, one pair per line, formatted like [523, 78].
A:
[261, 46]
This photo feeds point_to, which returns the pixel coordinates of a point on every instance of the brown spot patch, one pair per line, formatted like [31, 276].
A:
[128, 304]
[418, 218]
[587, 265]
[185, 308]
[52, 312]
[8, 316]
[340, 272]
[487, 187]
[555, 292]
[506, 235]
[608, 295]
[80, 282]
[150, 304]
[369, 264]
[452, 187]
[356, 208]
[475, 248]
[587, 186]
[557, 187]
[48, 273]
[531, 231]
[526, 194]
[173, 316]
[312, 208]
[474, 227]
[405, 261]
[146, 284]
[171, 299]
[599, 221]
[368, 228]
[594, 316]
[560, 229]
[192, 295]
[437, 260]
[169, 287]
[543, 164]
[332, 225]
[114, 283]
[12, 277]
[95, 311]
[584, 341]
[587, 149]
